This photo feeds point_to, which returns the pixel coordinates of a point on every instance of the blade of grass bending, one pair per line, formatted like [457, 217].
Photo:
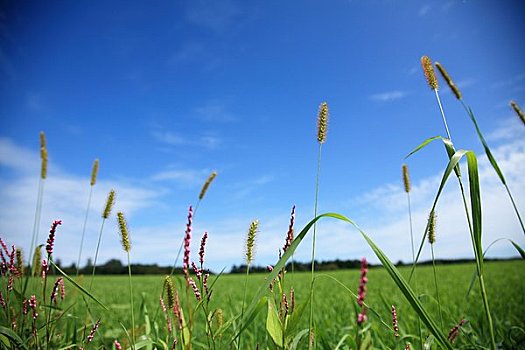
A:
[493, 162]
[475, 275]
[423, 145]
[387, 264]
[78, 286]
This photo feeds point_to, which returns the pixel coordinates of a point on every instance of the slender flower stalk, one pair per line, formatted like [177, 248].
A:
[431, 234]
[249, 250]
[361, 293]
[126, 246]
[93, 331]
[92, 183]
[40, 195]
[187, 241]
[479, 262]
[322, 129]
[454, 332]
[105, 215]
[394, 322]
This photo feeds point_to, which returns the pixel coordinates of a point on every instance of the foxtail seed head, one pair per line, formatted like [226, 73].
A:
[43, 168]
[94, 173]
[109, 204]
[432, 227]
[170, 291]
[518, 111]
[449, 80]
[42, 140]
[43, 155]
[406, 178]
[37, 261]
[250, 241]
[207, 184]
[124, 233]
[428, 70]
[19, 261]
[322, 122]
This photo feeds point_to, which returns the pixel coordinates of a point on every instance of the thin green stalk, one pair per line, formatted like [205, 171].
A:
[436, 284]
[311, 320]
[36, 224]
[476, 252]
[420, 333]
[131, 303]
[244, 300]
[84, 229]
[96, 253]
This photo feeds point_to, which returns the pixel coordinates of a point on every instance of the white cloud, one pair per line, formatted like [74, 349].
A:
[206, 140]
[389, 96]
[186, 177]
[214, 111]
[381, 212]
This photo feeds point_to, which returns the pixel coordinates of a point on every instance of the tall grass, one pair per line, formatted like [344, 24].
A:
[272, 317]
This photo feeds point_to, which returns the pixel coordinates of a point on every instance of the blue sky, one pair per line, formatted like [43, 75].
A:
[165, 92]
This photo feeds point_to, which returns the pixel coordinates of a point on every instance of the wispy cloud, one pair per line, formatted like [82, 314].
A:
[389, 96]
[217, 16]
[424, 10]
[206, 140]
[214, 111]
[65, 198]
[186, 177]
[241, 190]
[515, 83]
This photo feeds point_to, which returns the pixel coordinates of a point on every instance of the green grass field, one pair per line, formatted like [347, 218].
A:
[334, 306]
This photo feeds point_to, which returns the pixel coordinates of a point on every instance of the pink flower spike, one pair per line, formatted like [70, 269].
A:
[203, 245]
[117, 345]
[289, 235]
[93, 331]
[187, 240]
[51, 238]
[195, 288]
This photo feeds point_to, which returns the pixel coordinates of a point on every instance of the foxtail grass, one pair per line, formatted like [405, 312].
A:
[407, 186]
[431, 234]
[110, 202]
[92, 183]
[486, 147]
[40, 195]
[475, 224]
[322, 129]
[126, 246]
[249, 255]
[518, 111]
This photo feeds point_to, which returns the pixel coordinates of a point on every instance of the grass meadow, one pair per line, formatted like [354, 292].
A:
[476, 305]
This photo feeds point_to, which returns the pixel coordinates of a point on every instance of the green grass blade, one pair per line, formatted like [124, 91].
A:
[78, 286]
[387, 264]
[424, 144]
[13, 338]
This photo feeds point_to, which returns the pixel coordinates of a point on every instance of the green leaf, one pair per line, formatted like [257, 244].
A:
[297, 338]
[13, 338]
[423, 145]
[273, 324]
[366, 343]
